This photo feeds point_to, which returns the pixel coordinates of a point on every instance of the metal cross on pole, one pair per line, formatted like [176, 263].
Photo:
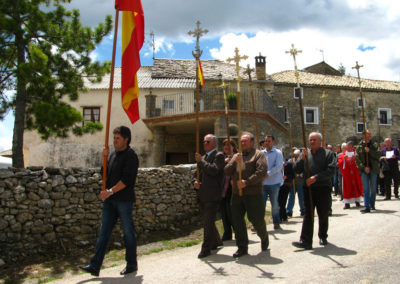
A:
[197, 33]
[293, 51]
[248, 72]
[357, 67]
[237, 59]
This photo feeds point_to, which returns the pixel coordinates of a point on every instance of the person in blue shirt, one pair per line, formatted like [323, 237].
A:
[274, 180]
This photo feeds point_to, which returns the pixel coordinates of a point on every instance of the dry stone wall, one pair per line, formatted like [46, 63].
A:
[42, 208]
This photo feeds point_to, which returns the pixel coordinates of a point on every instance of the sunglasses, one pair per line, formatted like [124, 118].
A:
[206, 142]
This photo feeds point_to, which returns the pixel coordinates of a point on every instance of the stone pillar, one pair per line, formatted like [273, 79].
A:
[260, 67]
[159, 134]
[150, 104]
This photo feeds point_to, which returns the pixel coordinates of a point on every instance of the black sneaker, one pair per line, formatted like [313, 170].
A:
[365, 210]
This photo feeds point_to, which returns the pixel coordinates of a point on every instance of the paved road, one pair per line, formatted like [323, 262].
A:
[363, 248]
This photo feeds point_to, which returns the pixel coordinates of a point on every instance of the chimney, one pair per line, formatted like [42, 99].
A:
[260, 67]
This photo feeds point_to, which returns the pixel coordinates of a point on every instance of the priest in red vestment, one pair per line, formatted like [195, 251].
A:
[352, 185]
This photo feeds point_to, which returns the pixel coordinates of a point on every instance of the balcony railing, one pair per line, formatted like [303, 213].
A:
[211, 99]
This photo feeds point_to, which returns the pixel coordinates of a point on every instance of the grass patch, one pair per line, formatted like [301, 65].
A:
[49, 279]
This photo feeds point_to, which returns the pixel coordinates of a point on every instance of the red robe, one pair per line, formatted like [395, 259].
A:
[352, 185]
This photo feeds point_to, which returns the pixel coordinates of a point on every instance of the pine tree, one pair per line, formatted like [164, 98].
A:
[44, 58]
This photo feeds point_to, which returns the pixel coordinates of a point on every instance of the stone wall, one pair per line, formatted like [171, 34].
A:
[42, 208]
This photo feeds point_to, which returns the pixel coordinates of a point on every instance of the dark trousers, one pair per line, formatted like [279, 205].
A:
[282, 200]
[393, 174]
[211, 237]
[380, 186]
[320, 200]
[226, 215]
[254, 206]
[112, 209]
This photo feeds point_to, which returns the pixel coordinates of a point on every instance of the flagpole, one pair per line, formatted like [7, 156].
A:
[237, 59]
[110, 90]
[197, 33]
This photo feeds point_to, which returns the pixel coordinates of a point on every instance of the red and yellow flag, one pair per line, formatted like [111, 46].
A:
[200, 72]
[132, 42]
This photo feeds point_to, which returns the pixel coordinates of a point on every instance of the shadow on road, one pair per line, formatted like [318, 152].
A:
[131, 278]
[332, 250]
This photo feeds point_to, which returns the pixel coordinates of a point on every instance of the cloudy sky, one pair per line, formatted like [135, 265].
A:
[338, 31]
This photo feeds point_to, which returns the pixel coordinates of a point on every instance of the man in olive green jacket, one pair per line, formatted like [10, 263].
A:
[254, 171]
[368, 171]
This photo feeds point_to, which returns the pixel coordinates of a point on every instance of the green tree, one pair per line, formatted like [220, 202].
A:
[45, 57]
[342, 69]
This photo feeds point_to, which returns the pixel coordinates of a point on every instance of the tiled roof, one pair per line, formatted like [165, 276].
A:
[312, 79]
[180, 74]
[173, 74]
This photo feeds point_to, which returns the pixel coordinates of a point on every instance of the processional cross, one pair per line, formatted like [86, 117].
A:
[237, 59]
[248, 72]
[197, 33]
[357, 67]
[293, 51]
[223, 86]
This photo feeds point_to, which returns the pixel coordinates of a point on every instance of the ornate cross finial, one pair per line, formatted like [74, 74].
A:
[197, 33]
[357, 67]
[223, 85]
[293, 51]
[248, 71]
[237, 59]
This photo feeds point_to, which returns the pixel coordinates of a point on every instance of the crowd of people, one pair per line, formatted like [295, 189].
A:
[239, 183]
[247, 180]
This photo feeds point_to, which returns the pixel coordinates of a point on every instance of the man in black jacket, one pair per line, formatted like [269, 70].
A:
[211, 167]
[318, 183]
[118, 201]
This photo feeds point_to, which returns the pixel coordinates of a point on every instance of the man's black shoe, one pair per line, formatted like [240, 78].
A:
[302, 245]
[128, 269]
[203, 254]
[346, 206]
[289, 214]
[277, 227]
[365, 210]
[265, 244]
[240, 252]
[373, 208]
[323, 242]
[90, 269]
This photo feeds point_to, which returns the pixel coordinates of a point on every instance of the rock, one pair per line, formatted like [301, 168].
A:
[71, 179]
[23, 217]
[57, 180]
[4, 173]
[161, 207]
[33, 196]
[46, 203]
[2, 262]
[35, 168]
[59, 211]
[3, 224]
[90, 196]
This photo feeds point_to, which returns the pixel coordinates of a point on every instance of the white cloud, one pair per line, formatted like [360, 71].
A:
[336, 49]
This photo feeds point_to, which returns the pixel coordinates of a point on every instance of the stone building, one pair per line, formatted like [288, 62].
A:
[165, 134]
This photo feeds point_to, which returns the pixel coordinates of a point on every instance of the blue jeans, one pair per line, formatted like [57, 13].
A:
[112, 209]
[299, 191]
[273, 192]
[369, 185]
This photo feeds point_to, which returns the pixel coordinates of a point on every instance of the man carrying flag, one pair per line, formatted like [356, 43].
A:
[121, 168]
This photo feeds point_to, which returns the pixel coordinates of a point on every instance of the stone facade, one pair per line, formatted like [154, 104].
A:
[42, 208]
[341, 112]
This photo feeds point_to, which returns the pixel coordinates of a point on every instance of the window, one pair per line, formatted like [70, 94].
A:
[168, 104]
[359, 102]
[91, 114]
[297, 91]
[286, 115]
[385, 116]
[360, 127]
[310, 115]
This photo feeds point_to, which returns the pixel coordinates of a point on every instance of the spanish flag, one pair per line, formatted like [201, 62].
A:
[200, 71]
[132, 42]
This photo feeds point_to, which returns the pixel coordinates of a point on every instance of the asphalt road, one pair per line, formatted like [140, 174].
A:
[363, 248]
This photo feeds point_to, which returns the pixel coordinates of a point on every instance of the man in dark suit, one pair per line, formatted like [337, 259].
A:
[211, 167]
